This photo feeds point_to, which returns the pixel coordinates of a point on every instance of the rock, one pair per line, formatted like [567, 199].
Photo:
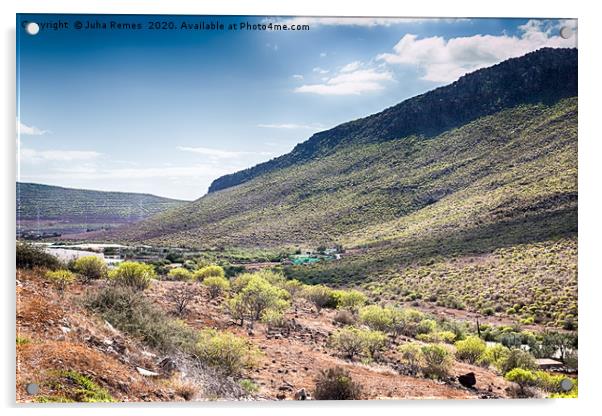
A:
[65, 329]
[167, 365]
[285, 388]
[146, 373]
[281, 396]
[301, 395]
[467, 380]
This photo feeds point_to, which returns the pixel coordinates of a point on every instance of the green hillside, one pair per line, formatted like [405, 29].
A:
[517, 165]
[44, 202]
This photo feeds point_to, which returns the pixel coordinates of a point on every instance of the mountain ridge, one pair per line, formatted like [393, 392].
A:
[546, 75]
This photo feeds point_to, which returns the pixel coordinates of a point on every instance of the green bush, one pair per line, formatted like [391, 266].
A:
[226, 352]
[30, 256]
[437, 337]
[320, 295]
[273, 318]
[336, 384]
[136, 275]
[216, 285]
[524, 378]
[293, 287]
[438, 361]
[61, 278]
[426, 326]
[353, 342]
[207, 271]
[72, 386]
[549, 382]
[412, 356]
[470, 349]
[180, 273]
[376, 317]
[495, 355]
[90, 267]
[517, 358]
[133, 314]
[257, 296]
[350, 300]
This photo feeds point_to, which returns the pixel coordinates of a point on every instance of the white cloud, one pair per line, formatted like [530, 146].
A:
[298, 76]
[352, 66]
[445, 60]
[37, 156]
[23, 129]
[220, 153]
[358, 21]
[320, 70]
[323, 54]
[290, 126]
[349, 82]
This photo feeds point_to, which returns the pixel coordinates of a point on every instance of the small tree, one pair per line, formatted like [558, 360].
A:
[91, 268]
[336, 384]
[374, 342]
[524, 378]
[61, 278]
[351, 300]
[293, 287]
[181, 296]
[319, 295]
[207, 271]
[180, 273]
[136, 275]
[216, 285]
[470, 349]
[494, 355]
[438, 360]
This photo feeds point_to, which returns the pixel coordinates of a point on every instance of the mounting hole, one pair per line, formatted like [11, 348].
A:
[566, 384]
[566, 32]
[32, 28]
[32, 389]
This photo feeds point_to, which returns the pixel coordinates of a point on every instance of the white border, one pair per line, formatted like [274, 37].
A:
[589, 189]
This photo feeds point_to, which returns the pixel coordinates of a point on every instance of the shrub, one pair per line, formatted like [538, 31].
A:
[181, 297]
[426, 326]
[226, 352]
[23, 340]
[180, 273]
[470, 349]
[30, 256]
[353, 341]
[240, 282]
[438, 360]
[320, 295]
[185, 390]
[549, 382]
[374, 342]
[524, 378]
[412, 357]
[344, 317]
[494, 355]
[248, 386]
[517, 358]
[293, 287]
[136, 275]
[131, 313]
[216, 285]
[90, 267]
[377, 318]
[257, 296]
[208, 271]
[350, 300]
[273, 318]
[349, 341]
[61, 278]
[437, 337]
[72, 386]
[336, 384]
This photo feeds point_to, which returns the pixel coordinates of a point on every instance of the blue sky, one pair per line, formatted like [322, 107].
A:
[168, 111]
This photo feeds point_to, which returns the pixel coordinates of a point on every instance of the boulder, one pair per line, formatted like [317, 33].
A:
[468, 380]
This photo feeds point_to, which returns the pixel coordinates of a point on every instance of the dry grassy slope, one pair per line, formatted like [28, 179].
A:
[513, 173]
[294, 360]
